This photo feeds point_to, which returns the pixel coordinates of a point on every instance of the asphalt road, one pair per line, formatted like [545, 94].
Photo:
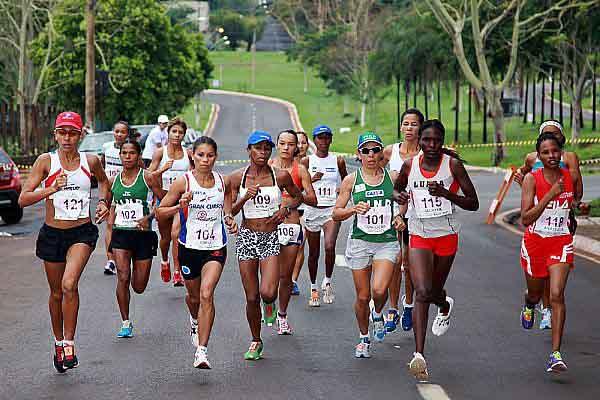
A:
[485, 354]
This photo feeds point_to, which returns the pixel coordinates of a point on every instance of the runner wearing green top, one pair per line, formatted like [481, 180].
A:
[372, 245]
[132, 241]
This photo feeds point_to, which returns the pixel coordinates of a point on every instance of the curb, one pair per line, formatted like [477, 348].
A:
[589, 247]
[212, 120]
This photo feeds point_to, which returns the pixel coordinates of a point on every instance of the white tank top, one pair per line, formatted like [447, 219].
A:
[72, 202]
[326, 187]
[205, 229]
[179, 168]
[396, 160]
[112, 160]
[265, 203]
[431, 216]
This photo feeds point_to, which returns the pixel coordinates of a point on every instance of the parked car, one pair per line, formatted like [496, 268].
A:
[144, 131]
[10, 189]
[92, 144]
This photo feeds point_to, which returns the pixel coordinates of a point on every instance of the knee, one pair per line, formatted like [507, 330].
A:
[557, 297]
[56, 295]
[192, 299]
[362, 299]
[423, 295]
[330, 248]
[379, 293]
[268, 294]
[253, 299]
[206, 297]
[69, 287]
[138, 289]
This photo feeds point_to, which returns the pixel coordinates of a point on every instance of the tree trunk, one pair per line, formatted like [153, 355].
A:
[90, 64]
[576, 125]
[498, 117]
[363, 114]
[346, 106]
[22, 75]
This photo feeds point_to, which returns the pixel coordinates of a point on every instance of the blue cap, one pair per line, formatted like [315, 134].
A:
[260, 136]
[319, 130]
[368, 137]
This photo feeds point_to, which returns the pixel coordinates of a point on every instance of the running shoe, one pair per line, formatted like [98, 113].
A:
[378, 328]
[201, 358]
[407, 310]
[110, 268]
[314, 301]
[270, 313]
[441, 323]
[165, 271]
[59, 358]
[556, 363]
[328, 296]
[194, 332]
[392, 321]
[418, 367]
[295, 289]
[283, 326]
[254, 351]
[126, 330]
[70, 359]
[363, 348]
[527, 316]
[546, 321]
[177, 279]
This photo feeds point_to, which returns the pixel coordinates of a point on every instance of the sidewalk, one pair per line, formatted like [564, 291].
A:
[586, 240]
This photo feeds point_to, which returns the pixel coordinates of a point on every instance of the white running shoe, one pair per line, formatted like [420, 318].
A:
[110, 268]
[194, 332]
[546, 322]
[283, 327]
[201, 358]
[441, 323]
[328, 296]
[362, 349]
[314, 301]
[418, 367]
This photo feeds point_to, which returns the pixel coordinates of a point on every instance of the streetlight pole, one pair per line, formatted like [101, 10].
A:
[90, 64]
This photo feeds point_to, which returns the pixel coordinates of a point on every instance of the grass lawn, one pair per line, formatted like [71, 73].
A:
[278, 78]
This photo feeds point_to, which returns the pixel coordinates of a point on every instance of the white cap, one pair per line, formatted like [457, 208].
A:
[163, 119]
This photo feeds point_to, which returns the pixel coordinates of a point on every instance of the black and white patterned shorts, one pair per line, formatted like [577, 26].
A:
[251, 245]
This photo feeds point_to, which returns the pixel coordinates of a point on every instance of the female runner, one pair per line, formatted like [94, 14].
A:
[202, 197]
[291, 234]
[372, 246]
[170, 162]
[394, 156]
[260, 187]
[133, 242]
[301, 153]
[429, 184]
[547, 248]
[68, 237]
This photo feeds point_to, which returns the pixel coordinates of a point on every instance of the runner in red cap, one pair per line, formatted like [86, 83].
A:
[68, 236]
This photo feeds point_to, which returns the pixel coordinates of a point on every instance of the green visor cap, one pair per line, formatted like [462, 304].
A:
[368, 137]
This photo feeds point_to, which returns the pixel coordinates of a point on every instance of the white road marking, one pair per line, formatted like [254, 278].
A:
[5, 234]
[429, 391]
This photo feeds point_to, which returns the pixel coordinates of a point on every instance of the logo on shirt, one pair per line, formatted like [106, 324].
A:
[374, 193]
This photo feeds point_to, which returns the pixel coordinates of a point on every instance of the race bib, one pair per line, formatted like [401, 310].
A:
[553, 222]
[168, 177]
[263, 205]
[288, 233]
[376, 221]
[128, 214]
[71, 205]
[204, 235]
[428, 206]
[326, 192]
[112, 170]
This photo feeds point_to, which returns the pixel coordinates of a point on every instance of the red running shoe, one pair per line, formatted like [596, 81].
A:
[59, 358]
[70, 359]
[165, 271]
[177, 279]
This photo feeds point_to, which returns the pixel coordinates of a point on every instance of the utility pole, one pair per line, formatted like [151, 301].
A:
[90, 63]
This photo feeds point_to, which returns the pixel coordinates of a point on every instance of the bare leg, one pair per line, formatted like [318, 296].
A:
[558, 280]
[175, 228]
[249, 275]
[546, 295]
[54, 274]
[408, 286]
[107, 238]
[77, 257]
[287, 259]
[421, 262]
[362, 284]
[299, 260]
[211, 273]
[314, 252]
[383, 271]
[164, 228]
[269, 279]
[395, 283]
[123, 259]
[330, 231]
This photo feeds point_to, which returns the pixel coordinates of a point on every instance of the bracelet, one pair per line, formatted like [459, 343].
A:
[227, 216]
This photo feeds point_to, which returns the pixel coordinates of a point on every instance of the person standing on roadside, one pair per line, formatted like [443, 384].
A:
[157, 138]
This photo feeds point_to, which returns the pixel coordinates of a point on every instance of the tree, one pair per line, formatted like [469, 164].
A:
[153, 67]
[484, 18]
[237, 27]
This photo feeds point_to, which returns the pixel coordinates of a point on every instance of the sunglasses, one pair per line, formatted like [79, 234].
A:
[62, 131]
[366, 151]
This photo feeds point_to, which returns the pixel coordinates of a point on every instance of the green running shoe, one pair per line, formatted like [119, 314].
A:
[270, 313]
[254, 351]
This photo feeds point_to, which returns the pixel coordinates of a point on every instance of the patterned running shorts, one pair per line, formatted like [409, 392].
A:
[251, 245]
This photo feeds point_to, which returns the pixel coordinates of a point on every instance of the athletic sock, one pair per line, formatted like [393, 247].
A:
[377, 315]
[361, 337]
[393, 309]
[326, 281]
[193, 321]
[203, 347]
[313, 286]
[58, 342]
[127, 323]
[281, 315]
[69, 342]
[405, 304]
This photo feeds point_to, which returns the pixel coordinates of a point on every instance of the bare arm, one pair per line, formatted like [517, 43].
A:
[340, 212]
[572, 162]
[525, 168]
[171, 203]
[468, 200]
[400, 184]
[154, 184]
[228, 219]
[156, 158]
[286, 183]
[342, 167]
[387, 155]
[309, 197]
[235, 180]
[38, 173]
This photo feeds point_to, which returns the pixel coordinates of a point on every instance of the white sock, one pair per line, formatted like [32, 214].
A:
[326, 281]
[404, 304]
[69, 342]
[193, 321]
[127, 323]
[296, 282]
[377, 314]
[313, 286]
[58, 342]
[361, 337]
[203, 348]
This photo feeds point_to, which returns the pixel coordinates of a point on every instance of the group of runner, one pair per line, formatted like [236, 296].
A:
[403, 220]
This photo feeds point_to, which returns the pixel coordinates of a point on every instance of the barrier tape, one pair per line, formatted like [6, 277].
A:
[518, 143]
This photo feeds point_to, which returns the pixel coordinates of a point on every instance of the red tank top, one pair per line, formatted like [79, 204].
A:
[554, 221]
[295, 178]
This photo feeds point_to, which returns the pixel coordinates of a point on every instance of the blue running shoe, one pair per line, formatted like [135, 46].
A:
[407, 318]
[126, 330]
[295, 289]
[392, 321]
[527, 317]
[556, 363]
[378, 328]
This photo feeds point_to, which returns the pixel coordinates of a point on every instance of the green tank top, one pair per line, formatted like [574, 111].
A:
[131, 202]
[376, 224]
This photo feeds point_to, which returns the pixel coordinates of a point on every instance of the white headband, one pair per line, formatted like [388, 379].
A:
[551, 123]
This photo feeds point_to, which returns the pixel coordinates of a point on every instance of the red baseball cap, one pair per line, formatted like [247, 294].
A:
[69, 118]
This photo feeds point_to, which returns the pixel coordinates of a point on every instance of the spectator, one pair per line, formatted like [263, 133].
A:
[156, 139]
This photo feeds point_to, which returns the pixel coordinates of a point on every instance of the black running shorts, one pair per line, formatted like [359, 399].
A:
[141, 244]
[53, 243]
[192, 261]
